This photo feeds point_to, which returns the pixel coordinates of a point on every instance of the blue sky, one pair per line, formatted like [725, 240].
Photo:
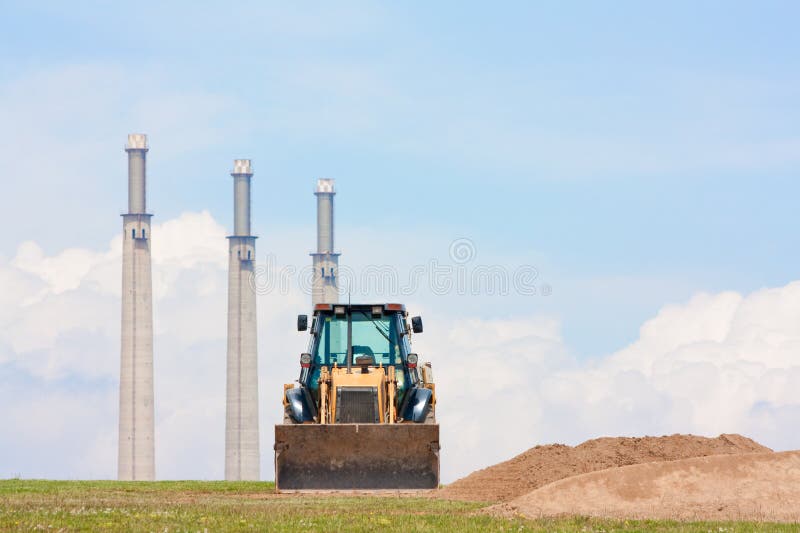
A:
[636, 154]
[595, 139]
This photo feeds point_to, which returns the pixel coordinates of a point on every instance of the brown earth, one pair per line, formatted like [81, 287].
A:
[545, 464]
[763, 487]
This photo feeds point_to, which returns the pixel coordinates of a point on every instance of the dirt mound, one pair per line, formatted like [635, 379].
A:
[763, 486]
[545, 464]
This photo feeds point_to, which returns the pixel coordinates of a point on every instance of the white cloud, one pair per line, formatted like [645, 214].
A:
[62, 272]
[59, 352]
[78, 294]
[717, 363]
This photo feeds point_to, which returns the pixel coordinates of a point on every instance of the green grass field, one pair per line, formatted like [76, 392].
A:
[221, 506]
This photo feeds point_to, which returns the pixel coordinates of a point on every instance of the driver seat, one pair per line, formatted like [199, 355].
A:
[366, 357]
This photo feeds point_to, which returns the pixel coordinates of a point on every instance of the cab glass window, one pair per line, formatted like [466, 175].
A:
[375, 340]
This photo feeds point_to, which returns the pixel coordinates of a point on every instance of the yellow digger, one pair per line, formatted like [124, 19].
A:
[362, 414]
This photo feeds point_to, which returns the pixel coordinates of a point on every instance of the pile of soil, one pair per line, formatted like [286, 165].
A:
[545, 464]
[753, 487]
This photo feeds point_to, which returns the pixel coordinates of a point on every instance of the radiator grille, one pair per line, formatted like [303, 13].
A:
[357, 405]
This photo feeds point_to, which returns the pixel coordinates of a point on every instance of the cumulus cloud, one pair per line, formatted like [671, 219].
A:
[716, 363]
[59, 344]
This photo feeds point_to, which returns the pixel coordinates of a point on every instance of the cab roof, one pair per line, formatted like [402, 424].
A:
[385, 307]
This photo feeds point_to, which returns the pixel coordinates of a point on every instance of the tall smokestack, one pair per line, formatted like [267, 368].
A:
[325, 288]
[136, 434]
[242, 458]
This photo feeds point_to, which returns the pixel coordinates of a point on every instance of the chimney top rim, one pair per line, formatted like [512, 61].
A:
[137, 141]
[242, 166]
[326, 185]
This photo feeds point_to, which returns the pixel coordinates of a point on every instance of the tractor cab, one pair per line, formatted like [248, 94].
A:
[362, 339]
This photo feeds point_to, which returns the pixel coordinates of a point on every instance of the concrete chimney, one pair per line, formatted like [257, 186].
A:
[136, 459]
[241, 196]
[137, 170]
[242, 457]
[325, 288]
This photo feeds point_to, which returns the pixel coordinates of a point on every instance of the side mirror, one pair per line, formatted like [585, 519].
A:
[302, 322]
[416, 324]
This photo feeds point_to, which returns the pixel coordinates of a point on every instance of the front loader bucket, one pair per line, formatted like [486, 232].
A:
[356, 456]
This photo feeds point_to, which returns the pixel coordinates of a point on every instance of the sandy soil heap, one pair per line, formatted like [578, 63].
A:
[764, 486]
[545, 464]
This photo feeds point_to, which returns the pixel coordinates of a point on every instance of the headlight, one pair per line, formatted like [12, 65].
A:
[412, 360]
[305, 360]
